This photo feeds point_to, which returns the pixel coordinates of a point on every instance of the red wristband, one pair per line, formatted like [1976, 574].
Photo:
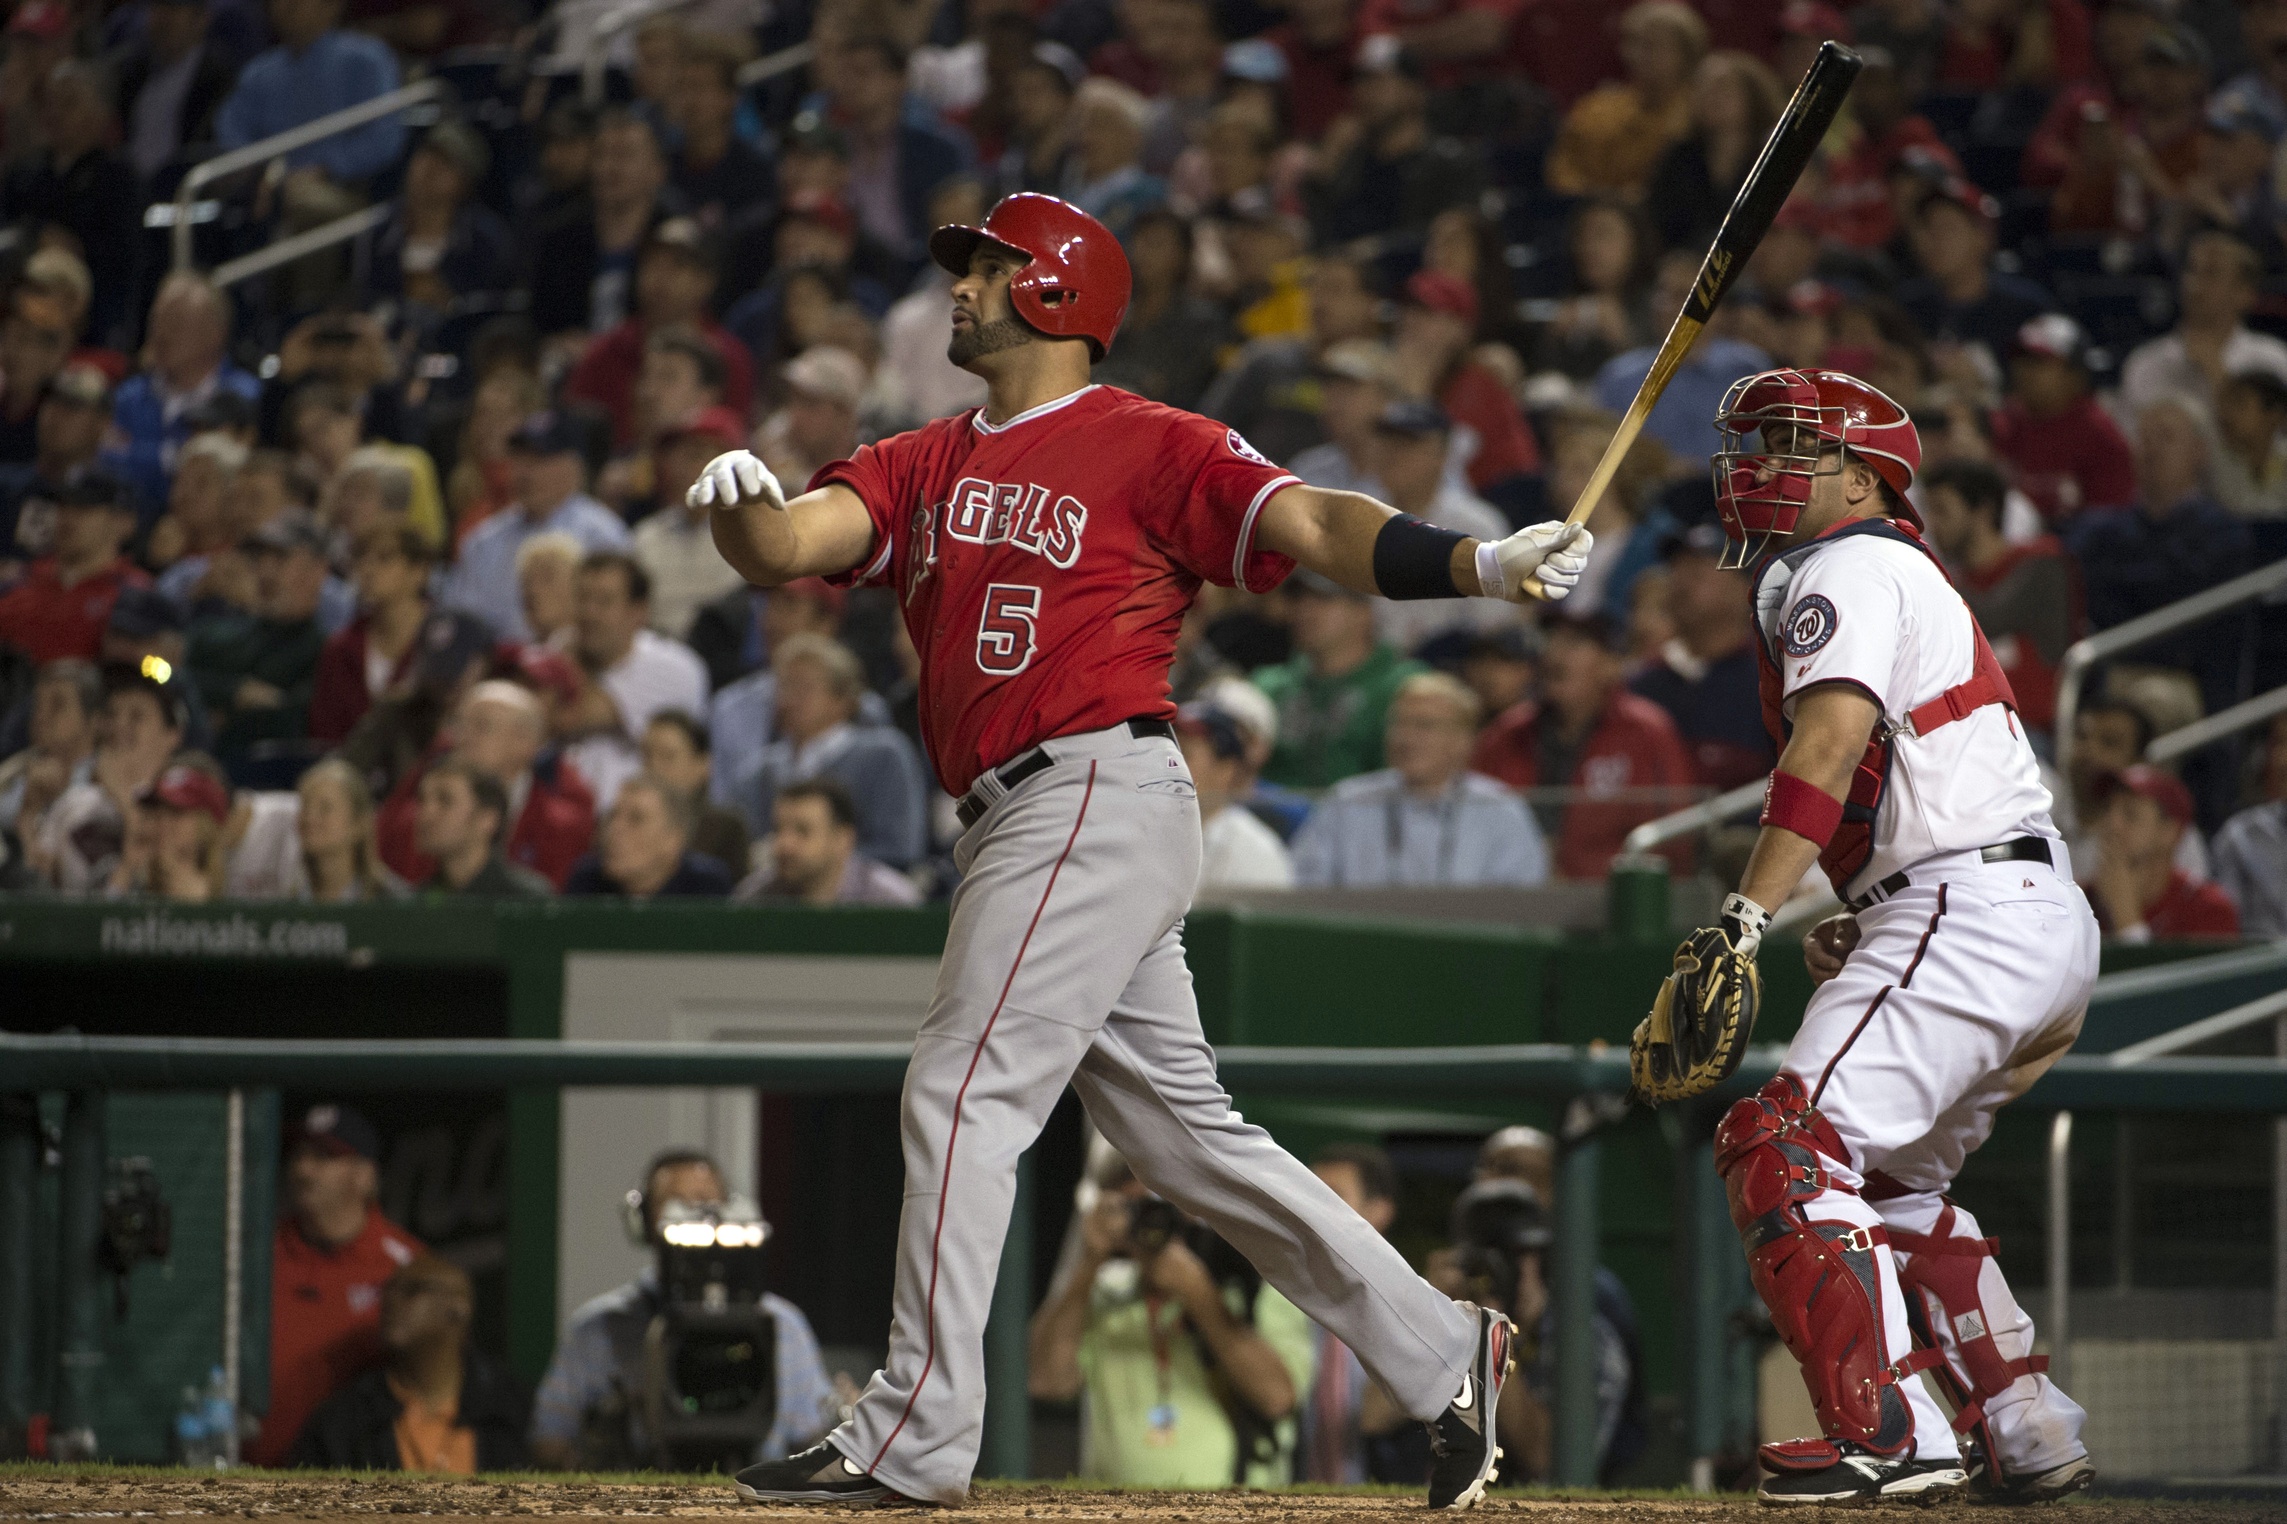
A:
[1803, 808]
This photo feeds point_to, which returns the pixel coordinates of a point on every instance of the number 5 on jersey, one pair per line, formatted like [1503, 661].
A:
[1005, 632]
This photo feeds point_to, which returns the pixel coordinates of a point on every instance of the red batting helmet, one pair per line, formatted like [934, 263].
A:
[1076, 283]
[1800, 414]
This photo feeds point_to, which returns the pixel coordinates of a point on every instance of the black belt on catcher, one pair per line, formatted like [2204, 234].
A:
[1002, 780]
[2025, 849]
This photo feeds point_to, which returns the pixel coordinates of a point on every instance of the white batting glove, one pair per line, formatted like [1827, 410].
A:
[1555, 553]
[738, 479]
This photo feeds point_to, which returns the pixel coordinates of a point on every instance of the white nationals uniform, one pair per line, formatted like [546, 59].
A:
[1970, 977]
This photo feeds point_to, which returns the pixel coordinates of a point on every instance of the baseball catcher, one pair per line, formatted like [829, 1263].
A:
[1957, 973]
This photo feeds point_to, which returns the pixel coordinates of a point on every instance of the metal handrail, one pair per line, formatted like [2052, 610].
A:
[286, 250]
[277, 145]
[771, 65]
[2192, 1034]
[1700, 816]
[2245, 715]
[2144, 629]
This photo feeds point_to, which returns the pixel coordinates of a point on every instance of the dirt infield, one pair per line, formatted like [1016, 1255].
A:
[38, 1493]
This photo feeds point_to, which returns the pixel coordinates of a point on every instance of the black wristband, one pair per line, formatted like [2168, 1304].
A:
[1414, 559]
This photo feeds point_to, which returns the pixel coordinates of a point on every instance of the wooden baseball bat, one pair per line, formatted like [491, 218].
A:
[1796, 136]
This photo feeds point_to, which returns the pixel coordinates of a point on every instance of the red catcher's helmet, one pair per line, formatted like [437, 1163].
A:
[1076, 284]
[1760, 492]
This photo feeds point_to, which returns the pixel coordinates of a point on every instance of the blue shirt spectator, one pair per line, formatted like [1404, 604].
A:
[1682, 420]
[551, 497]
[151, 412]
[314, 71]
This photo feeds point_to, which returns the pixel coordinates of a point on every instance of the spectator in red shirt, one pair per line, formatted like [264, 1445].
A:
[2063, 447]
[1460, 42]
[674, 283]
[62, 605]
[1619, 752]
[1859, 207]
[333, 1253]
[374, 652]
[2139, 893]
[1318, 40]
[1996, 46]
[1434, 330]
[501, 730]
[2025, 597]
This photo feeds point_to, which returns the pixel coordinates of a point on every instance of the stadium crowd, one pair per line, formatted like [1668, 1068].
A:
[368, 574]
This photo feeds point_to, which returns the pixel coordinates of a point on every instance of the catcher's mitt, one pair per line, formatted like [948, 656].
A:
[1700, 1022]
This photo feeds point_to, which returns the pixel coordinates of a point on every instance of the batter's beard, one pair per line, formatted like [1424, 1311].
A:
[986, 339]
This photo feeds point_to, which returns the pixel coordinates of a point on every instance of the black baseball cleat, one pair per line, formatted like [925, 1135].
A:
[1841, 1473]
[2060, 1481]
[820, 1474]
[1463, 1435]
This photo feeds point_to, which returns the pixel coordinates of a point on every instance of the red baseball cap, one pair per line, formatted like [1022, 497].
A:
[183, 787]
[44, 19]
[1440, 292]
[541, 668]
[2162, 788]
[717, 423]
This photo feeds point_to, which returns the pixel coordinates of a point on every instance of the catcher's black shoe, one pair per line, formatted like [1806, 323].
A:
[1463, 1435]
[1840, 1473]
[820, 1474]
[2048, 1486]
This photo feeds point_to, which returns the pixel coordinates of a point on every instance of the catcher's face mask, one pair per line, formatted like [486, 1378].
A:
[1771, 455]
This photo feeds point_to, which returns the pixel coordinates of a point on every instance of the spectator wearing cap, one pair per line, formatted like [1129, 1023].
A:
[720, 176]
[2222, 279]
[73, 415]
[2062, 447]
[818, 424]
[675, 542]
[441, 243]
[62, 603]
[1039, 147]
[500, 729]
[674, 285]
[1681, 420]
[332, 1254]
[1332, 695]
[376, 651]
[185, 355]
[2232, 186]
[1237, 850]
[582, 261]
[1960, 295]
[633, 672]
[736, 635]
[1393, 173]
[1436, 324]
[1426, 820]
[1860, 209]
[2248, 471]
[172, 82]
[82, 184]
[814, 856]
[458, 817]
[1614, 136]
[821, 727]
[78, 842]
[66, 698]
[548, 463]
[173, 848]
[1704, 676]
[1357, 380]
[1167, 348]
[1734, 101]
[1411, 449]
[2174, 541]
[897, 157]
[2251, 849]
[2137, 890]
[255, 671]
[2025, 597]
[1601, 760]
[35, 340]
[643, 849]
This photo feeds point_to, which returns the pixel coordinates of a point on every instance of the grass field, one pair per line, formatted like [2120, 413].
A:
[98, 1492]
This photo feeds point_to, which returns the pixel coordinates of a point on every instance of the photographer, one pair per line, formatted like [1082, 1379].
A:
[1501, 1238]
[1190, 1368]
[589, 1411]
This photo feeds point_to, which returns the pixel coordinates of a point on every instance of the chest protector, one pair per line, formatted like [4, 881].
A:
[1846, 853]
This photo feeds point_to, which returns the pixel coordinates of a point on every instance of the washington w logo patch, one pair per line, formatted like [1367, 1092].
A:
[1810, 626]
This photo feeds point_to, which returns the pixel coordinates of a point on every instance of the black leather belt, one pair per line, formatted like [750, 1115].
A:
[1008, 775]
[2025, 849]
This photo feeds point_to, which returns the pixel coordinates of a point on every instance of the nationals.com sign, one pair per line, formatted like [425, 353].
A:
[232, 936]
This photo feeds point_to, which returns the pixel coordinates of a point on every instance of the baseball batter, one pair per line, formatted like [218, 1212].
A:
[1045, 548]
[1958, 973]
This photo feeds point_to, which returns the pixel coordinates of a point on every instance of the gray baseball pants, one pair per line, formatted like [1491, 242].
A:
[1064, 965]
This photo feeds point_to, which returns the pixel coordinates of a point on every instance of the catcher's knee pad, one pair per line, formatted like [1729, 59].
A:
[1939, 1274]
[1821, 1280]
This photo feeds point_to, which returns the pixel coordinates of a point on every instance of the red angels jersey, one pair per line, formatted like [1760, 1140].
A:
[1045, 564]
